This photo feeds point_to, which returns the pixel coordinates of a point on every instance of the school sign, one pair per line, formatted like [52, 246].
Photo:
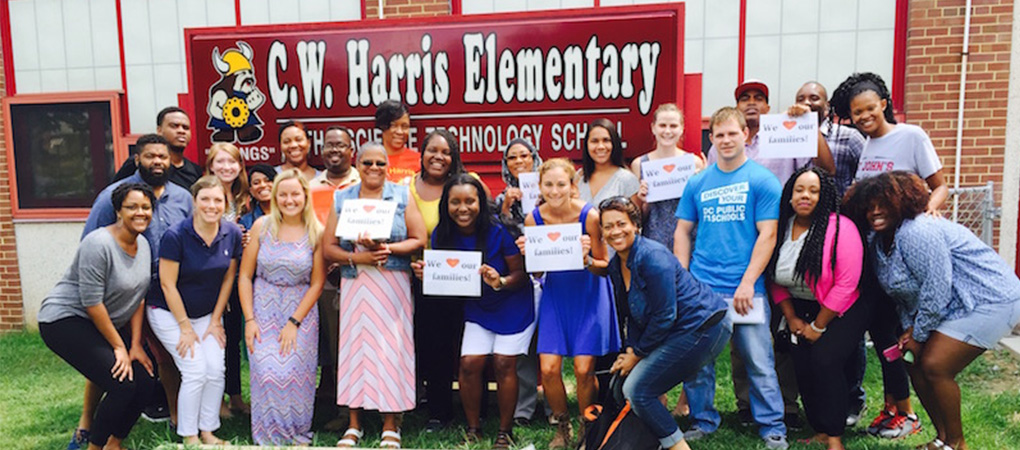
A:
[489, 79]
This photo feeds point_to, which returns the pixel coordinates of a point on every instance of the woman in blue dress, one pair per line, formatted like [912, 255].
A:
[576, 314]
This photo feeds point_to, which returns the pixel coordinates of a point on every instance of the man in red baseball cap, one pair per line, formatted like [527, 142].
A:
[752, 98]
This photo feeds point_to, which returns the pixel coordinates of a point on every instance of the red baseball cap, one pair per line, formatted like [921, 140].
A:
[749, 84]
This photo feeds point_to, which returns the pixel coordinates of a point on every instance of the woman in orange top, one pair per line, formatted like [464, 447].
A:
[392, 118]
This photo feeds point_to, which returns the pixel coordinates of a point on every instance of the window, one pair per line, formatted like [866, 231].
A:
[64, 149]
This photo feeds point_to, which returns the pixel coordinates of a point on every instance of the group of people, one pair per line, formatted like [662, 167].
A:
[175, 268]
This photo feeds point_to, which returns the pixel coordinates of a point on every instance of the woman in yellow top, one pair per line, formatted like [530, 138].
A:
[438, 321]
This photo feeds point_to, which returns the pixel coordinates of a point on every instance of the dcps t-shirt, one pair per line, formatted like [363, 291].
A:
[726, 208]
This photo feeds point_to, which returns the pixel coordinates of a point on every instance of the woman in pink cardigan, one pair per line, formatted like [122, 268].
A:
[814, 275]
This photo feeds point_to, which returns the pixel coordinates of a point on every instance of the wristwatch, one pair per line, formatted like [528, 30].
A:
[297, 323]
[501, 284]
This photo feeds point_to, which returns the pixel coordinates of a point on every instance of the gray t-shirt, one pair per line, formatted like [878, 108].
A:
[906, 147]
[101, 272]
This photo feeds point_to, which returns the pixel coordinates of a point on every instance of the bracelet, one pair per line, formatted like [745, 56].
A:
[182, 321]
[817, 330]
[297, 323]
[350, 259]
[249, 320]
[500, 284]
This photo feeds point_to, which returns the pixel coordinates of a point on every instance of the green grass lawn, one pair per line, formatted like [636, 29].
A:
[40, 400]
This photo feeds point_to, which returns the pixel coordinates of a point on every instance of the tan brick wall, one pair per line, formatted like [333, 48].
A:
[393, 9]
[934, 44]
[11, 310]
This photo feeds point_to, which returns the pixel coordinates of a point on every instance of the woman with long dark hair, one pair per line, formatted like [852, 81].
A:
[814, 275]
[954, 295]
[501, 322]
[865, 99]
[603, 171]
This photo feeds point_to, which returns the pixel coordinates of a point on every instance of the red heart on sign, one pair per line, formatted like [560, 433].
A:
[368, 208]
[669, 167]
[789, 124]
[554, 236]
[453, 262]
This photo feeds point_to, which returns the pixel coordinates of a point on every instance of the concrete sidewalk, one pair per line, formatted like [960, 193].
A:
[1011, 343]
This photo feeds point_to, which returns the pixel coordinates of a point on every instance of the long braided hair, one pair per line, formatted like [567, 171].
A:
[809, 263]
[854, 85]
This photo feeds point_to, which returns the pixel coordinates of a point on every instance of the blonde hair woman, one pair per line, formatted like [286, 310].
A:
[282, 274]
[225, 161]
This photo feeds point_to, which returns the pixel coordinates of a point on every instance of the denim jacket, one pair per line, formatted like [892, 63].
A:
[392, 192]
[664, 299]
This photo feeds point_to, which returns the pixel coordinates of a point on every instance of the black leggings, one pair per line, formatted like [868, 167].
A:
[438, 328]
[885, 330]
[80, 343]
[232, 326]
[821, 367]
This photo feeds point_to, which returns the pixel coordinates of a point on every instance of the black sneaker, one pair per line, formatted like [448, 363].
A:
[745, 417]
[793, 422]
[522, 421]
[434, 426]
[156, 413]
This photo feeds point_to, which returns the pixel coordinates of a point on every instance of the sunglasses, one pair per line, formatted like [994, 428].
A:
[373, 163]
[615, 201]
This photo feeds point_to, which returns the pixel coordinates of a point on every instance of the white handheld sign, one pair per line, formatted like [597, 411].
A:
[782, 136]
[366, 215]
[553, 248]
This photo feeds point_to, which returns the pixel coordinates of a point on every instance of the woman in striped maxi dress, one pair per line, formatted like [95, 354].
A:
[281, 325]
[376, 351]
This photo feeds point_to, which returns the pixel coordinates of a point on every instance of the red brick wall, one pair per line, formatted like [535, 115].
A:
[11, 310]
[934, 44]
[393, 9]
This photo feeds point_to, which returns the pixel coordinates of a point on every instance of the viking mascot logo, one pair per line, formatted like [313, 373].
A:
[234, 99]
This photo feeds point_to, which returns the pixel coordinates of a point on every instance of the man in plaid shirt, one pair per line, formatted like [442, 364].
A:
[845, 143]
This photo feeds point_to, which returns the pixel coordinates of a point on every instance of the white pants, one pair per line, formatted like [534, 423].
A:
[202, 375]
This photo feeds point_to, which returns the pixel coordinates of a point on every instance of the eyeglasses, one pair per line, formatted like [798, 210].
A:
[335, 146]
[368, 164]
[399, 127]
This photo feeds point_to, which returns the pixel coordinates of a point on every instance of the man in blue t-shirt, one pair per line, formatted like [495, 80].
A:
[735, 205]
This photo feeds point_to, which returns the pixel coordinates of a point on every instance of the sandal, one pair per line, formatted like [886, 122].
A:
[936, 444]
[472, 436]
[394, 443]
[347, 442]
[504, 440]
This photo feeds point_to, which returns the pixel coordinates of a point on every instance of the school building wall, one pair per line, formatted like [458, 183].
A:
[914, 44]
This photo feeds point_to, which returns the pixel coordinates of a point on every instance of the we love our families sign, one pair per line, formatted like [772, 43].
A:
[667, 177]
[529, 190]
[782, 136]
[452, 273]
[553, 248]
[359, 216]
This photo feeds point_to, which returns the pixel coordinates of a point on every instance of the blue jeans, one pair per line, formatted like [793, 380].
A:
[675, 361]
[754, 344]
